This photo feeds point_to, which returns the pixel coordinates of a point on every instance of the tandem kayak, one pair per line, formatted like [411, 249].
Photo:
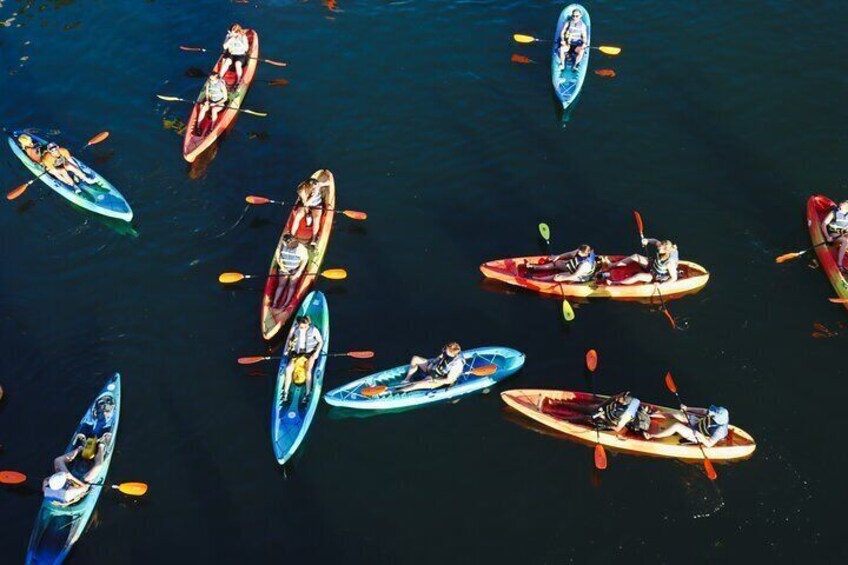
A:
[194, 145]
[57, 528]
[690, 279]
[290, 419]
[817, 208]
[274, 317]
[507, 360]
[567, 83]
[101, 197]
[737, 445]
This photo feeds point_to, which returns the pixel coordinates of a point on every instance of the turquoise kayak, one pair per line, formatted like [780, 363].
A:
[290, 420]
[100, 197]
[57, 528]
[507, 361]
[567, 82]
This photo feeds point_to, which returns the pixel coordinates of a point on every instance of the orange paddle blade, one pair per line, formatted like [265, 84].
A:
[600, 457]
[839, 300]
[786, 257]
[132, 489]
[354, 215]
[592, 360]
[257, 200]
[670, 319]
[370, 391]
[18, 191]
[639, 223]
[12, 477]
[608, 73]
[484, 370]
[98, 138]
[521, 59]
[669, 383]
[360, 354]
[278, 82]
[335, 274]
[708, 467]
[251, 360]
[228, 278]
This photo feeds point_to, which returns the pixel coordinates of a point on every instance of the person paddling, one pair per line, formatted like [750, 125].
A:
[660, 269]
[59, 163]
[62, 487]
[835, 230]
[578, 266]
[574, 36]
[427, 374]
[215, 98]
[310, 202]
[303, 345]
[236, 46]
[292, 259]
[32, 149]
[706, 426]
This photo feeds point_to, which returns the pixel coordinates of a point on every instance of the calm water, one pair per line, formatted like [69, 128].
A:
[716, 128]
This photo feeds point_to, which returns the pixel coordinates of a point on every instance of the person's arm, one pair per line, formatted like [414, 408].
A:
[695, 411]
[824, 224]
[673, 265]
[628, 415]
[287, 348]
[455, 371]
[650, 241]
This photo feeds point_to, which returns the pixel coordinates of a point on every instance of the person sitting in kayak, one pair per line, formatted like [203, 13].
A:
[32, 149]
[304, 342]
[291, 262]
[310, 202]
[577, 266]
[441, 371]
[59, 163]
[706, 426]
[660, 269]
[614, 414]
[835, 230]
[574, 36]
[236, 46]
[215, 98]
[62, 487]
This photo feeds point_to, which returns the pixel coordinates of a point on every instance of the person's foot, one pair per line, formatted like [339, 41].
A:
[285, 396]
[304, 399]
[647, 435]
[313, 243]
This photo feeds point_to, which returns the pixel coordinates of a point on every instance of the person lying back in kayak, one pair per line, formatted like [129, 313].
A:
[615, 413]
[310, 202]
[215, 98]
[236, 47]
[576, 266]
[574, 36]
[59, 163]
[62, 487]
[291, 261]
[706, 426]
[303, 345]
[32, 149]
[835, 230]
[427, 374]
[660, 269]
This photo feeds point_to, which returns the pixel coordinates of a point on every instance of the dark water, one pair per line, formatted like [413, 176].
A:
[717, 127]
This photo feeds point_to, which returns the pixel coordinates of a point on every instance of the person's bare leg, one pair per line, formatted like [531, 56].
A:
[415, 364]
[289, 373]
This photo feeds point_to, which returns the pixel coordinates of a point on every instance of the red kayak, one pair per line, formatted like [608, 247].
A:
[817, 208]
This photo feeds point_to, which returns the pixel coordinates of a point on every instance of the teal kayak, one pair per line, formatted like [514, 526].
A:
[290, 420]
[507, 361]
[568, 82]
[57, 528]
[100, 197]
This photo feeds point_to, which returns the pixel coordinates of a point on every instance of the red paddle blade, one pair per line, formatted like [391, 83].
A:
[354, 215]
[711, 472]
[608, 73]
[12, 477]
[250, 360]
[670, 319]
[521, 59]
[639, 223]
[592, 360]
[257, 200]
[600, 457]
[669, 383]
[98, 138]
[786, 257]
[484, 370]
[370, 391]
[17, 191]
[360, 354]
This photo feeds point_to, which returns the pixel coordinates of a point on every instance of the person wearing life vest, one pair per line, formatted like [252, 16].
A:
[578, 266]
[236, 46]
[706, 426]
[574, 36]
[32, 149]
[614, 414]
[63, 487]
[441, 371]
[660, 269]
[310, 203]
[59, 163]
[835, 230]
[304, 342]
[292, 259]
[215, 98]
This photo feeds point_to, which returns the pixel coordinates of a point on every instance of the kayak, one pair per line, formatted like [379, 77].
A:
[507, 360]
[290, 420]
[737, 445]
[817, 208]
[567, 83]
[101, 197]
[194, 145]
[57, 528]
[691, 278]
[274, 318]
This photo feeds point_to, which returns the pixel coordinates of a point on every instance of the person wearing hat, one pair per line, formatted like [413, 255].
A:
[575, 266]
[303, 345]
[215, 98]
[32, 149]
[706, 426]
[62, 487]
[660, 269]
[292, 259]
[236, 46]
[59, 163]
[441, 371]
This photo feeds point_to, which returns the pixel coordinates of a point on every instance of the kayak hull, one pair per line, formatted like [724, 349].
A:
[817, 208]
[290, 420]
[101, 197]
[272, 319]
[194, 145]
[507, 360]
[57, 528]
[738, 444]
[691, 278]
[567, 83]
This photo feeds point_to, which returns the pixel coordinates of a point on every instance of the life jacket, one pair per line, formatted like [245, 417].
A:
[49, 160]
[614, 410]
[575, 262]
[289, 258]
[839, 223]
[440, 367]
[574, 31]
[641, 422]
[61, 496]
[301, 344]
[316, 197]
[217, 91]
[237, 44]
[659, 268]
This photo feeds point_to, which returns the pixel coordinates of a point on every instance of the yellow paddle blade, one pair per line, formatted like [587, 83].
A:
[567, 311]
[132, 489]
[335, 274]
[545, 231]
[98, 138]
[229, 278]
[521, 38]
[609, 49]
[484, 370]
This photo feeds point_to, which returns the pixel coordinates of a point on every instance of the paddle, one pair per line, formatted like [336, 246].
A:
[790, 256]
[606, 49]
[17, 191]
[16, 478]
[260, 358]
[641, 227]
[232, 277]
[567, 310]
[271, 82]
[375, 390]
[838, 300]
[600, 454]
[245, 110]
[260, 200]
[708, 465]
[203, 50]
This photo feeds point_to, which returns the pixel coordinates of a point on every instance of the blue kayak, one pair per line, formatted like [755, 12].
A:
[507, 361]
[57, 528]
[100, 197]
[290, 420]
[568, 82]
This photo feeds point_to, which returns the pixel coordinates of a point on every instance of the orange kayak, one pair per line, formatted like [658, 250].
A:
[274, 318]
[194, 145]
[691, 278]
[560, 416]
[817, 208]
